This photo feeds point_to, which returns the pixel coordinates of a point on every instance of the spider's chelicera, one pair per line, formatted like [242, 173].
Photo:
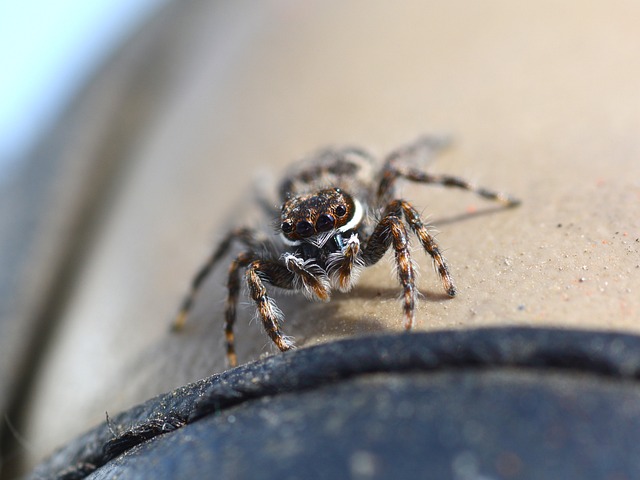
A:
[339, 214]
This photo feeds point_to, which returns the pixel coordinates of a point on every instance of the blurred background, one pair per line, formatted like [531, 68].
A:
[49, 50]
[133, 134]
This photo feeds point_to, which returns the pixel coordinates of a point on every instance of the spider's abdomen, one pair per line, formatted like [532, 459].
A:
[350, 169]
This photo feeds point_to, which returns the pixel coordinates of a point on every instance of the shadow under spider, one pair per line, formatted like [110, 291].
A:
[372, 292]
[335, 320]
[330, 321]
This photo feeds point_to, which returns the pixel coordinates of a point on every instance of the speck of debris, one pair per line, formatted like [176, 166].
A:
[559, 225]
[521, 307]
[582, 279]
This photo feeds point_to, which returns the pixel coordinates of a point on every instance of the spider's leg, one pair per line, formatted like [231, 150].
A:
[416, 224]
[391, 231]
[398, 165]
[233, 288]
[258, 272]
[419, 176]
[269, 313]
[244, 235]
[345, 266]
[424, 149]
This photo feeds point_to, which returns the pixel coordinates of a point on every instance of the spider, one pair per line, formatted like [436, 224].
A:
[339, 214]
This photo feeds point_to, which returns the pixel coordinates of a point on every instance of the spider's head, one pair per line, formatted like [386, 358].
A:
[316, 217]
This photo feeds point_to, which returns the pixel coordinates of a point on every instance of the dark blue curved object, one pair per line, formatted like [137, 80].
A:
[492, 403]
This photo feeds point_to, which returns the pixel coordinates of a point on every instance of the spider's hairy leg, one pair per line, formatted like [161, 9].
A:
[419, 176]
[246, 236]
[309, 278]
[424, 149]
[344, 267]
[398, 165]
[269, 313]
[416, 224]
[390, 231]
[233, 288]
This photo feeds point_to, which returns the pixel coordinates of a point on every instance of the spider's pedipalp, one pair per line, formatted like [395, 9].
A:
[344, 266]
[309, 278]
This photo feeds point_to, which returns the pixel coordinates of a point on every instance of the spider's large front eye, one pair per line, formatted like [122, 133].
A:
[325, 223]
[287, 226]
[341, 210]
[304, 228]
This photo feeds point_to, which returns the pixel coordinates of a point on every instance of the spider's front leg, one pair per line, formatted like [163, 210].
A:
[292, 274]
[390, 231]
[269, 313]
[411, 215]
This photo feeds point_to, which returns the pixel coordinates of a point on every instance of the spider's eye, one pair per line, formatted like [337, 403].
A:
[287, 226]
[325, 223]
[304, 228]
[341, 210]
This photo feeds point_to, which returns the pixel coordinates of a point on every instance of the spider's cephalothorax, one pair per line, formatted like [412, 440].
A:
[339, 214]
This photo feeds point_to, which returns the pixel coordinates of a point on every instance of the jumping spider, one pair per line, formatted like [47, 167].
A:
[339, 214]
